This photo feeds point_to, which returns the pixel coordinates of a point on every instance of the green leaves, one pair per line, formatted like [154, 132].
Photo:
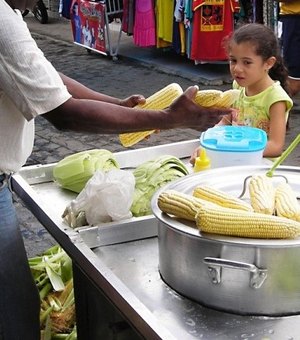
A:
[74, 171]
[151, 176]
[52, 272]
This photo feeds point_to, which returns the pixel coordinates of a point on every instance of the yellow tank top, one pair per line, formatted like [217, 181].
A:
[290, 8]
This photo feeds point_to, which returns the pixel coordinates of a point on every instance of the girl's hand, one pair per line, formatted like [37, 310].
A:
[133, 100]
[194, 155]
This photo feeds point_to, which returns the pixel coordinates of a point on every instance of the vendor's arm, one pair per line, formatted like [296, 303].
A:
[79, 91]
[277, 130]
[88, 115]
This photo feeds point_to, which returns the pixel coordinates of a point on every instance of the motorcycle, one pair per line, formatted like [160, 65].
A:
[39, 11]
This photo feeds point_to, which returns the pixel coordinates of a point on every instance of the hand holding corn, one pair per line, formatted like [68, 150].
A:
[173, 100]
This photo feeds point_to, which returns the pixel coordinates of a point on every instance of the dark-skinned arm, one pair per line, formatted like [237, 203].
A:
[86, 115]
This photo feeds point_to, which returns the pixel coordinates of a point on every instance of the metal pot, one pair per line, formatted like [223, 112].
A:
[239, 275]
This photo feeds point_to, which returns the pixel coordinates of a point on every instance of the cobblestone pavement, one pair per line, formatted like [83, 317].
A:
[118, 78]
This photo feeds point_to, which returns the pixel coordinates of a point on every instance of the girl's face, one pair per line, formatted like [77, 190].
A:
[246, 67]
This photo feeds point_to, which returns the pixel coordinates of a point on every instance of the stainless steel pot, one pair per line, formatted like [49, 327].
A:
[239, 275]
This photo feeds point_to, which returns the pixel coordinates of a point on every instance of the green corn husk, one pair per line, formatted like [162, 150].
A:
[152, 175]
[53, 275]
[73, 171]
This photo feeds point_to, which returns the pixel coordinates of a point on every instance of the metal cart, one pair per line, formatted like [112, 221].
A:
[118, 290]
[97, 25]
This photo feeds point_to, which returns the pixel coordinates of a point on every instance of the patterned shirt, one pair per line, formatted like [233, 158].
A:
[254, 110]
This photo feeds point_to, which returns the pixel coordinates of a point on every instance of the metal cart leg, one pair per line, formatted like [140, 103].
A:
[113, 9]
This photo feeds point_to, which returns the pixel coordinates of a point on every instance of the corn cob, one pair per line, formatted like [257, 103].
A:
[262, 194]
[208, 98]
[286, 204]
[216, 98]
[159, 100]
[228, 98]
[179, 204]
[221, 198]
[233, 222]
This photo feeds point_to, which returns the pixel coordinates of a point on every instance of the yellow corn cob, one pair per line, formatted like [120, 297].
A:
[233, 222]
[221, 198]
[216, 98]
[179, 204]
[158, 101]
[286, 204]
[262, 194]
[208, 98]
[228, 98]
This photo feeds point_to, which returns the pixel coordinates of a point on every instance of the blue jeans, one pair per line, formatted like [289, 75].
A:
[19, 299]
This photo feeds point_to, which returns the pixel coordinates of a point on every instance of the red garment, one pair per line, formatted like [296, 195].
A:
[212, 22]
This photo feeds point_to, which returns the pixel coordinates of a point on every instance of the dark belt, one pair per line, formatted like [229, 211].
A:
[4, 178]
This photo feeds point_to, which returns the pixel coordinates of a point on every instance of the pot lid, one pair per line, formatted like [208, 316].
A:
[230, 180]
[234, 139]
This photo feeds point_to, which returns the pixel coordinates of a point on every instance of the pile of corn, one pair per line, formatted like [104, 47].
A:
[273, 213]
[165, 97]
[52, 272]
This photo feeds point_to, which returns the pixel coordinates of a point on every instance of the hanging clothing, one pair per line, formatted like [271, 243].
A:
[164, 22]
[128, 16]
[144, 34]
[188, 23]
[212, 22]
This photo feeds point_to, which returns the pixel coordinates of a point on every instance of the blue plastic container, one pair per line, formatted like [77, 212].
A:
[234, 145]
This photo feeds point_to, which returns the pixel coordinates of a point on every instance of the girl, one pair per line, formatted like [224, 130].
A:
[258, 71]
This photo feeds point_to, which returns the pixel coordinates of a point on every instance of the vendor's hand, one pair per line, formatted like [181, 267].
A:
[186, 113]
[133, 100]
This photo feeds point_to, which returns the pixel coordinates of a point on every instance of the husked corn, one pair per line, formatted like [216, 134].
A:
[131, 138]
[216, 98]
[262, 194]
[179, 204]
[221, 198]
[233, 222]
[228, 98]
[158, 101]
[208, 98]
[164, 98]
[286, 203]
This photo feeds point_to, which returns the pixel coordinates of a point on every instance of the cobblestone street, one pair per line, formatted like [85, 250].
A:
[117, 78]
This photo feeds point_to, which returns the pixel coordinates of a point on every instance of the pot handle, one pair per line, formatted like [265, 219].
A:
[215, 265]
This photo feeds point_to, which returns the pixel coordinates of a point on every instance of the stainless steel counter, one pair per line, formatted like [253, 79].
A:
[136, 265]
[116, 269]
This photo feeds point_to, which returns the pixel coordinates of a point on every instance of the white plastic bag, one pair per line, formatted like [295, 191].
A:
[106, 197]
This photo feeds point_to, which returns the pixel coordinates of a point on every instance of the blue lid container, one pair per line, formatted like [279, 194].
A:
[234, 139]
